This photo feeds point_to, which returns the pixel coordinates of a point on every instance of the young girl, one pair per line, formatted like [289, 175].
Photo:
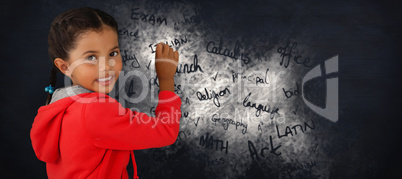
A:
[82, 133]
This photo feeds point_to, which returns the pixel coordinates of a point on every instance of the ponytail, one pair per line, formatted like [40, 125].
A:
[53, 79]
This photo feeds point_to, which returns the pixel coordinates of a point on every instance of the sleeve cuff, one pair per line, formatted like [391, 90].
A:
[169, 97]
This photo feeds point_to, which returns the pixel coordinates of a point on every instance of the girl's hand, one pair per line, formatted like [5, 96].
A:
[166, 61]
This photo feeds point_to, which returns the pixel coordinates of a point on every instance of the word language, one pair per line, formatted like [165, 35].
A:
[259, 107]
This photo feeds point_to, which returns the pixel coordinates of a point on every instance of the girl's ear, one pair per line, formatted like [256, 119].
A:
[62, 66]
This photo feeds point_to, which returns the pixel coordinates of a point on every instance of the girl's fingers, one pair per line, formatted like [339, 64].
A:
[166, 50]
[170, 52]
[176, 56]
[158, 50]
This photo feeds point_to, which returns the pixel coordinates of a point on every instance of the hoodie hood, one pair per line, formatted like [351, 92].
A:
[61, 93]
[45, 132]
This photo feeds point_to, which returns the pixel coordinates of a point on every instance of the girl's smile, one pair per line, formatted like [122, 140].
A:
[105, 81]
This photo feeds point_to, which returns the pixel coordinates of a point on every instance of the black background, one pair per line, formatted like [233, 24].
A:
[366, 33]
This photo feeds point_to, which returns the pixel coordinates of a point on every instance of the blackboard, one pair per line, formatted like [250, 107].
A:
[270, 89]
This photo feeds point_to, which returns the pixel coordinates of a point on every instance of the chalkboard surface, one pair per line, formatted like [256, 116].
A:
[269, 89]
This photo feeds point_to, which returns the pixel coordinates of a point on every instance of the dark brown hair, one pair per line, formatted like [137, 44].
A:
[65, 30]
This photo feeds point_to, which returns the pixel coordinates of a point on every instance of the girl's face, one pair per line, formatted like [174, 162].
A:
[95, 63]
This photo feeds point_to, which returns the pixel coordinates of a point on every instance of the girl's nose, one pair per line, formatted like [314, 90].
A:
[105, 64]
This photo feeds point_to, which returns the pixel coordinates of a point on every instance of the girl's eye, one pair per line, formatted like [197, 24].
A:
[91, 58]
[113, 54]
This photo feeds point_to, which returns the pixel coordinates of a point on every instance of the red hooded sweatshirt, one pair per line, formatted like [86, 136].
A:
[90, 135]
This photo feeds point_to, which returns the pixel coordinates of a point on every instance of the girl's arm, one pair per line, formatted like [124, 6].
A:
[108, 125]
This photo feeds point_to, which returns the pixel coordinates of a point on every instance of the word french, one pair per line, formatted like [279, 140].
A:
[186, 68]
